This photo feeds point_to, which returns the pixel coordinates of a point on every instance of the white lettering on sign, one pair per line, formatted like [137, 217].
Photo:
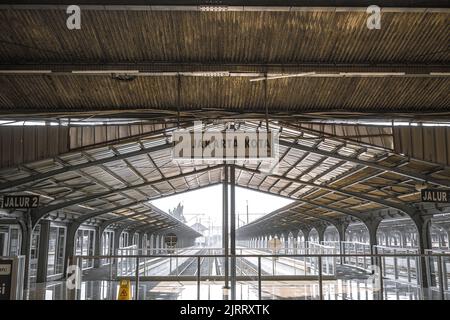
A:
[5, 269]
[18, 202]
[435, 196]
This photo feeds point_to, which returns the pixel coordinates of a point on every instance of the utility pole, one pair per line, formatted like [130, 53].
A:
[247, 211]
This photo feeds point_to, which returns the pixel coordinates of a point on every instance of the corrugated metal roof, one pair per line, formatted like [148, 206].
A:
[195, 40]
[119, 36]
[22, 94]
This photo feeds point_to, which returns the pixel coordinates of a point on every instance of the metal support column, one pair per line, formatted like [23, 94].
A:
[372, 227]
[225, 226]
[259, 278]
[424, 239]
[41, 273]
[98, 246]
[233, 232]
[27, 234]
[320, 278]
[70, 244]
[441, 278]
[136, 292]
[198, 277]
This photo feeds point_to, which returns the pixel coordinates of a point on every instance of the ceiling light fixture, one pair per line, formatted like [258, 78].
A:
[123, 77]
[281, 76]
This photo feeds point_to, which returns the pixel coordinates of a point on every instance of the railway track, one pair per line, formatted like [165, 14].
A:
[189, 267]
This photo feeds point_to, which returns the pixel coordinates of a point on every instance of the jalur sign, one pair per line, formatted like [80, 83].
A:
[19, 202]
[436, 196]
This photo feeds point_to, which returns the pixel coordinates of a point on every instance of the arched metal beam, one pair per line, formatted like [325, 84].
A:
[46, 175]
[39, 213]
[91, 215]
[94, 214]
[324, 219]
[109, 222]
[256, 228]
[409, 210]
[338, 210]
[41, 176]
[151, 227]
[405, 173]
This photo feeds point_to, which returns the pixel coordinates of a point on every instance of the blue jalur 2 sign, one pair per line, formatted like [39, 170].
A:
[436, 196]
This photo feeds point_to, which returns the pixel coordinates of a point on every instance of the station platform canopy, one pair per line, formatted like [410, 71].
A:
[330, 178]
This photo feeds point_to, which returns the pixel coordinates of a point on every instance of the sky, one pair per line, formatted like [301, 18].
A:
[205, 205]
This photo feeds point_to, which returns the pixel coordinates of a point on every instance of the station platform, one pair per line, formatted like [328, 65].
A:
[350, 284]
[298, 290]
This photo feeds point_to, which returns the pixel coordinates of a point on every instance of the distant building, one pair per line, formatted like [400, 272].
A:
[201, 241]
[199, 227]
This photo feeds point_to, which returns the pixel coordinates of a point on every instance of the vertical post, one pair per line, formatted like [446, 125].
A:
[209, 263]
[233, 232]
[71, 292]
[424, 241]
[372, 227]
[320, 278]
[441, 279]
[198, 278]
[98, 246]
[71, 234]
[41, 275]
[259, 278]
[408, 266]
[27, 234]
[380, 265]
[247, 211]
[444, 273]
[137, 280]
[110, 269]
[80, 260]
[395, 265]
[225, 226]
